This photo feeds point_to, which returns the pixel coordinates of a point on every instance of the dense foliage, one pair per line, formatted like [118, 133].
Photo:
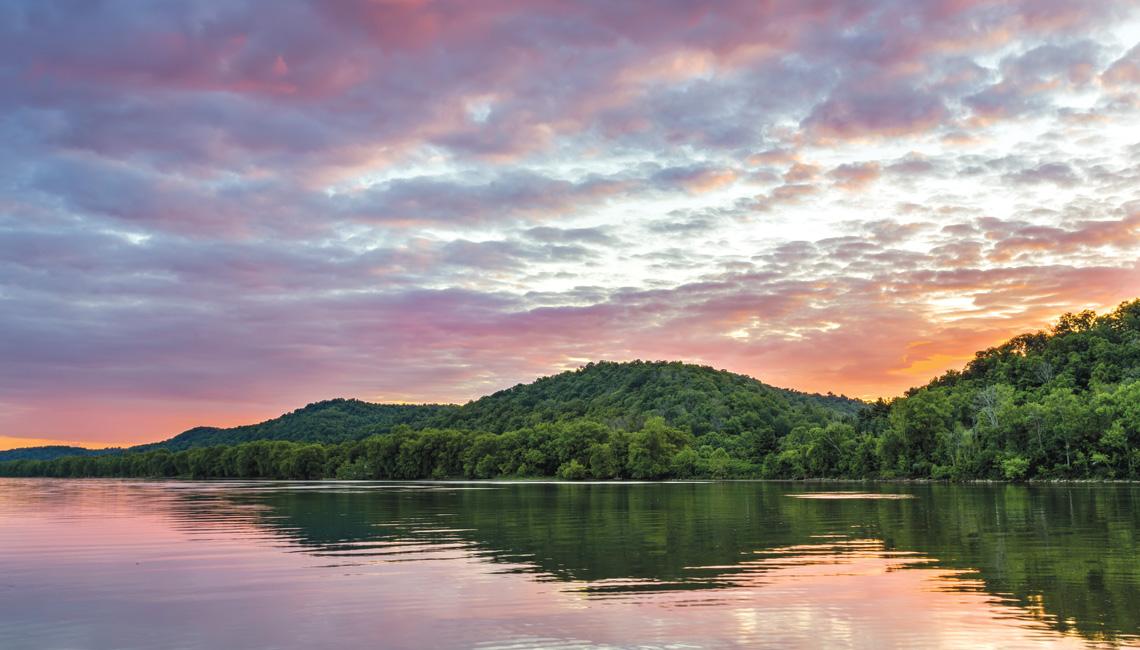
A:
[1063, 404]
[695, 398]
[49, 452]
[335, 420]
[573, 449]
[623, 395]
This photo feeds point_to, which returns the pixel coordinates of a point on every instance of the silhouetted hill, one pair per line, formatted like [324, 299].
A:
[52, 451]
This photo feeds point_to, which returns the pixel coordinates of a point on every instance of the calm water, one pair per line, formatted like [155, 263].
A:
[152, 565]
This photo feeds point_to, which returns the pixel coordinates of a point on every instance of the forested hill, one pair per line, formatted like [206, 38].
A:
[51, 451]
[335, 420]
[696, 399]
[1063, 404]
[1058, 404]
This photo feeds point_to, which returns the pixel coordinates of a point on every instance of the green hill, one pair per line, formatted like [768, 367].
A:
[697, 399]
[1057, 404]
[694, 398]
[52, 451]
[330, 421]
[599, 415]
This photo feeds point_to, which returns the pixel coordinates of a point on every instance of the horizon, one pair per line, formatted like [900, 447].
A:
[215, 210]
[47, 442]
[7, 444]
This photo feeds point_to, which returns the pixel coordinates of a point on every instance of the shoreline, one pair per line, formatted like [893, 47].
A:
[554, 480]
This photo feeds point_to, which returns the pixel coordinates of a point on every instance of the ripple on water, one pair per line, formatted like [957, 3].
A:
[851, 495]
[166, 565]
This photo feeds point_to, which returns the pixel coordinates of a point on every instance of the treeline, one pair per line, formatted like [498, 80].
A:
[48, 452]
[694, 398]
[1063, 404]
[335, 420]
[636, 420]
[577, 449]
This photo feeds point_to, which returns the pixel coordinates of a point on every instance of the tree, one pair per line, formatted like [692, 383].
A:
[917, 422]
[572, 470]
[652, 448]
[306, 462]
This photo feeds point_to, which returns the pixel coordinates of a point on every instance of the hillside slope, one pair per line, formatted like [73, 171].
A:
[1057, 404]
[694, 398]
[49, 452]
[335, 420]
[697, 399]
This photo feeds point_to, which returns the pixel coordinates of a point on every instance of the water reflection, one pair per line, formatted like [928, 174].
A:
[104, 564]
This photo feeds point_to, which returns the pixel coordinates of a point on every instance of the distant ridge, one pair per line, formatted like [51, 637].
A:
[623, 394]
[334, 420]
[693, 397]
[1062, 404]
[49, 452]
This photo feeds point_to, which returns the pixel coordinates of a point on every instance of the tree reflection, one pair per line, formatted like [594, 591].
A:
[1064, 555]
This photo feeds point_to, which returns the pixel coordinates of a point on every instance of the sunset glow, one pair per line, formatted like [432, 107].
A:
[215, 212]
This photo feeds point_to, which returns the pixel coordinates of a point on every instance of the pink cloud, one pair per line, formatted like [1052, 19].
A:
[855, 176]
[1125, 70]
[855, 113]
[217, 211]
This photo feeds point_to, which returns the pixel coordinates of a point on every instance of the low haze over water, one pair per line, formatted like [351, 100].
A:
[121, 564]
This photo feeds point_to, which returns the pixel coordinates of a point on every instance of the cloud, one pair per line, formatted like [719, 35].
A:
[212, 212]
[1125, 71]
[1123, 233]
[852, 113]
[596, 235]
[520, 195]
[800, 172]
[1030, 80]
[695, 179]
[1057, 173]
[913, 165]
[855, 176]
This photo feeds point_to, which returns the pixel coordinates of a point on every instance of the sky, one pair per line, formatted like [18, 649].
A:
[216, 211]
